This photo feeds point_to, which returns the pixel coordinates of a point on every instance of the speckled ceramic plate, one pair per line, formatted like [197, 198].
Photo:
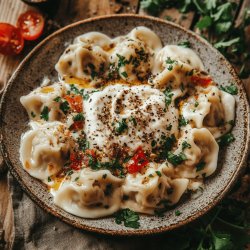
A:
[40, 62]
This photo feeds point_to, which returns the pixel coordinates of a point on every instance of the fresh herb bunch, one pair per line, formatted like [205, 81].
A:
[216, 24]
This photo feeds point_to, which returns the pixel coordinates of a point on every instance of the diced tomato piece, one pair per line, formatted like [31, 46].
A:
[138, 161]
[77, 125]
[202, 81]
[75, 102]
[76, 160]
[31, 24]
[11, 40]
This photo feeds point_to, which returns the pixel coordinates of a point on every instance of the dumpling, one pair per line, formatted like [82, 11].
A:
[145, 192]
[45, 149]
[201, 152]
[179, 54]
[94, 194]
[42, 101]
[83, 61]
[147, 36]
[133, 60]
[210, 109]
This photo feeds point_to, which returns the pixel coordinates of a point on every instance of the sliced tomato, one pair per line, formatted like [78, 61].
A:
[75, 102]
[138, 161]
[202, 81]
[31, 24]
[11, 40]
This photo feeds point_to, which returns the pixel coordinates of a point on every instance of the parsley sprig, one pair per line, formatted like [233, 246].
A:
[128, 217]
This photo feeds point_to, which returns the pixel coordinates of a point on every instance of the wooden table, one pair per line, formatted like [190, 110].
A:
[74, 10]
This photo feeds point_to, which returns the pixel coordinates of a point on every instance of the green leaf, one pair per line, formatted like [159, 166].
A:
[64, 106]
[204, 23]
[225, 44]
[78, 117]
[128, 217]
[200, 166]
[211, 4]
[185, 44]
[185, 144]
[232, 89]
[225, 140]
[176, 159]
[223, 27]
[182, 121]
[45, 113]
[121, 126]
[168, 95]
[224, 12]
[222, 241]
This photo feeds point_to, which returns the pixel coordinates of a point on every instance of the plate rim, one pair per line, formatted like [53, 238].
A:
[125, 232]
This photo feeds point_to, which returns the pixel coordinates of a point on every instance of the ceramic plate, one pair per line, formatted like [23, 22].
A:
[41, 61]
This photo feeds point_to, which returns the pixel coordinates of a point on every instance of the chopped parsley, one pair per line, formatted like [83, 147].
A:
[182, 121]
[168, 96]
[166, 145]
[77, 178]
[177, 213]
[108, 189]
[196, 104]
[185, 144]
[169, 61]
[64, 106]
[185, 44]
[158, 173]
[124, 74]
[78, 117]
[57, 99]
[225, 140]
[49, 179]
[128, 217]
[133, 120]
[83, 144]
[232, 89]
[200, 166]
[176, 159]
[231, 122]
[121, 126]
[170, 67]
[153, 143]
[45, 113]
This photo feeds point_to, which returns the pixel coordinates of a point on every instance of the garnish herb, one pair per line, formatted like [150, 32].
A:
[196, 104]
[49, 179]
[185, 144]
[57, 99]
[169, 127]
[185, 44]
[177, 212]
[121, 126]
[225, 140]
[158, 173]
[232, 89]
[168, 96]
[77, 178]
[64, 106]
[83, 144]
[78, 117]
[128, 217]
[170, 61]
[133, 120]
[124, 74]
[182, 121]
[200, 166]
[45, 113]
[176, 159]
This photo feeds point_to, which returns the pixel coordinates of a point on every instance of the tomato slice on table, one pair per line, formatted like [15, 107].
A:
[11, 40]
[31, 24]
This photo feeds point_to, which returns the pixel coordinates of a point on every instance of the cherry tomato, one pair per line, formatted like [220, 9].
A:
[11, 40]
[138, 161]
[202, 81]
[75, 102]
[31, 24]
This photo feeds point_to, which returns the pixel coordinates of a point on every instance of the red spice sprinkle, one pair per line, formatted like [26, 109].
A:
[76, 160]
[138, 161]
[75, 102]
[202, 81]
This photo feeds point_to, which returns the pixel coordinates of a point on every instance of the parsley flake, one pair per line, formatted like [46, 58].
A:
[232, 89]
[128, 217]
[176, 159]
[45, 113]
